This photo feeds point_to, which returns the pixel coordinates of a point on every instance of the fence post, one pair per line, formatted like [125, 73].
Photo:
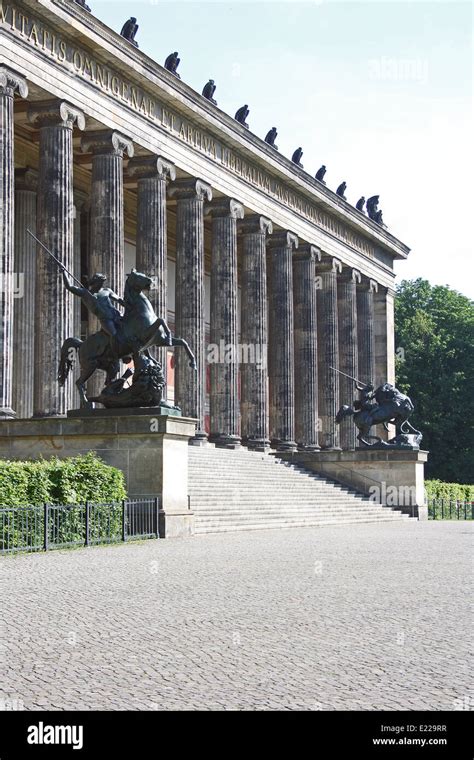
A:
[157, 516]
[87, 538]
[46, 527]
[124, 520]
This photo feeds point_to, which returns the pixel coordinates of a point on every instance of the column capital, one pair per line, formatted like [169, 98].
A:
[56, 113]
[307, 252]
[349, 274]
[106, 142]
[148, 167]
[366, 284]
[11, 82]
[190, 188]
[255, 224]
[26, 179]
[283, 239]
[330, 264]
[224, 208]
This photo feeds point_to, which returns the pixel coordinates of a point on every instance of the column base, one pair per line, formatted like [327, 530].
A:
[256, 444]
[223, 441]
[309, 447]
[199, 439]
[7, 413]
[280, 445]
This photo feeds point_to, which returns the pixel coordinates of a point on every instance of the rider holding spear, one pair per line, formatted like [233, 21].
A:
[95, 297]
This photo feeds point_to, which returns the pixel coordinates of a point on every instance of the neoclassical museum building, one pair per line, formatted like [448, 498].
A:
[114, 162]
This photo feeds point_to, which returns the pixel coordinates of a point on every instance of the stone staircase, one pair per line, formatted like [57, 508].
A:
[245, 490]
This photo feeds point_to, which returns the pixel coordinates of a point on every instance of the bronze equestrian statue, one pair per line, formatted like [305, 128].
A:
[137, 330]
[383, 405]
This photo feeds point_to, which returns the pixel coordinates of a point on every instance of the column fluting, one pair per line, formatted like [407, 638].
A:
[153, 173]
[224, 372]
[328, 352]
[306, 347]
[348, 351]
[254, 332]
[55, 224]
[10, 83]
[281, 359]
[190, 383]
[26, 185]
[365, 329]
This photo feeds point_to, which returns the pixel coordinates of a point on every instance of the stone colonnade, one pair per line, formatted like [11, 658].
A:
[303, 313]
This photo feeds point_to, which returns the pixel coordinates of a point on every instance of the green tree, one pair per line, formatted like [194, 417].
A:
[434, 327]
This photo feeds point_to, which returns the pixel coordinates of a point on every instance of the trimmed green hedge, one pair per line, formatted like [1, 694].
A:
[60, 481]
[437, 489]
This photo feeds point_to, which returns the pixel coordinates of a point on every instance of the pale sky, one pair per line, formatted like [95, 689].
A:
[380, 92]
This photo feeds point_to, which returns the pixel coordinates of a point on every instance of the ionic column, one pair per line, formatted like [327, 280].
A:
[153, 174]
[254, 332]
[306, 347]
[10, 82]
[348, 351]
[106, 215]
[281, 359]
[328, 352]
[224, 375]
[190, 385]
[26, 184]
[365, 329]
[55, 225]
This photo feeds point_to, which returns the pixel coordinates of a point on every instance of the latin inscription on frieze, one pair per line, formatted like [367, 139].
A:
[80, 63]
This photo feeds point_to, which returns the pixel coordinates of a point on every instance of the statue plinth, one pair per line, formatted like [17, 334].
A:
[145, 411]
[149, 446]
[389, 475]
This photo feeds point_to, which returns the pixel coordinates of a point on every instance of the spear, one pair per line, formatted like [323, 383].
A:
[349, 376]
[54, 257]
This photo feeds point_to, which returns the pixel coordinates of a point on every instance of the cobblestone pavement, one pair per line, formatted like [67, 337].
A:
[349, 617]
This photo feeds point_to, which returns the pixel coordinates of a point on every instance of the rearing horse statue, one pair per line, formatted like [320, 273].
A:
[121, 336]
[383, 405]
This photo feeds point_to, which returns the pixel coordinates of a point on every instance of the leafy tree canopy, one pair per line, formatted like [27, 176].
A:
[434, 337]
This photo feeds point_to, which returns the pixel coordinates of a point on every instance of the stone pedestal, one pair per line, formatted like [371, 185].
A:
[254, 332]
[394, 478]
[10, 82]
[281, 359]
[151, 450]
[306, 347]
[55, 228]
[190, 385]
[224, 392]
[348, 353]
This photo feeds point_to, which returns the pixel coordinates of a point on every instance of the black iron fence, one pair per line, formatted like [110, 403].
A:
[450, 509]
[31, 528]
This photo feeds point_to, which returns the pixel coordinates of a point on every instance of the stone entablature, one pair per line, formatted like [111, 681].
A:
[221, 140]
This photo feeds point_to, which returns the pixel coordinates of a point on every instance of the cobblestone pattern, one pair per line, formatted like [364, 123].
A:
[352, 617]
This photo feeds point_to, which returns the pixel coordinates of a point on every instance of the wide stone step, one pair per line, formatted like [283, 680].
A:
[221, 528]
[242, 490]
[258, 495]
[305, 513]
